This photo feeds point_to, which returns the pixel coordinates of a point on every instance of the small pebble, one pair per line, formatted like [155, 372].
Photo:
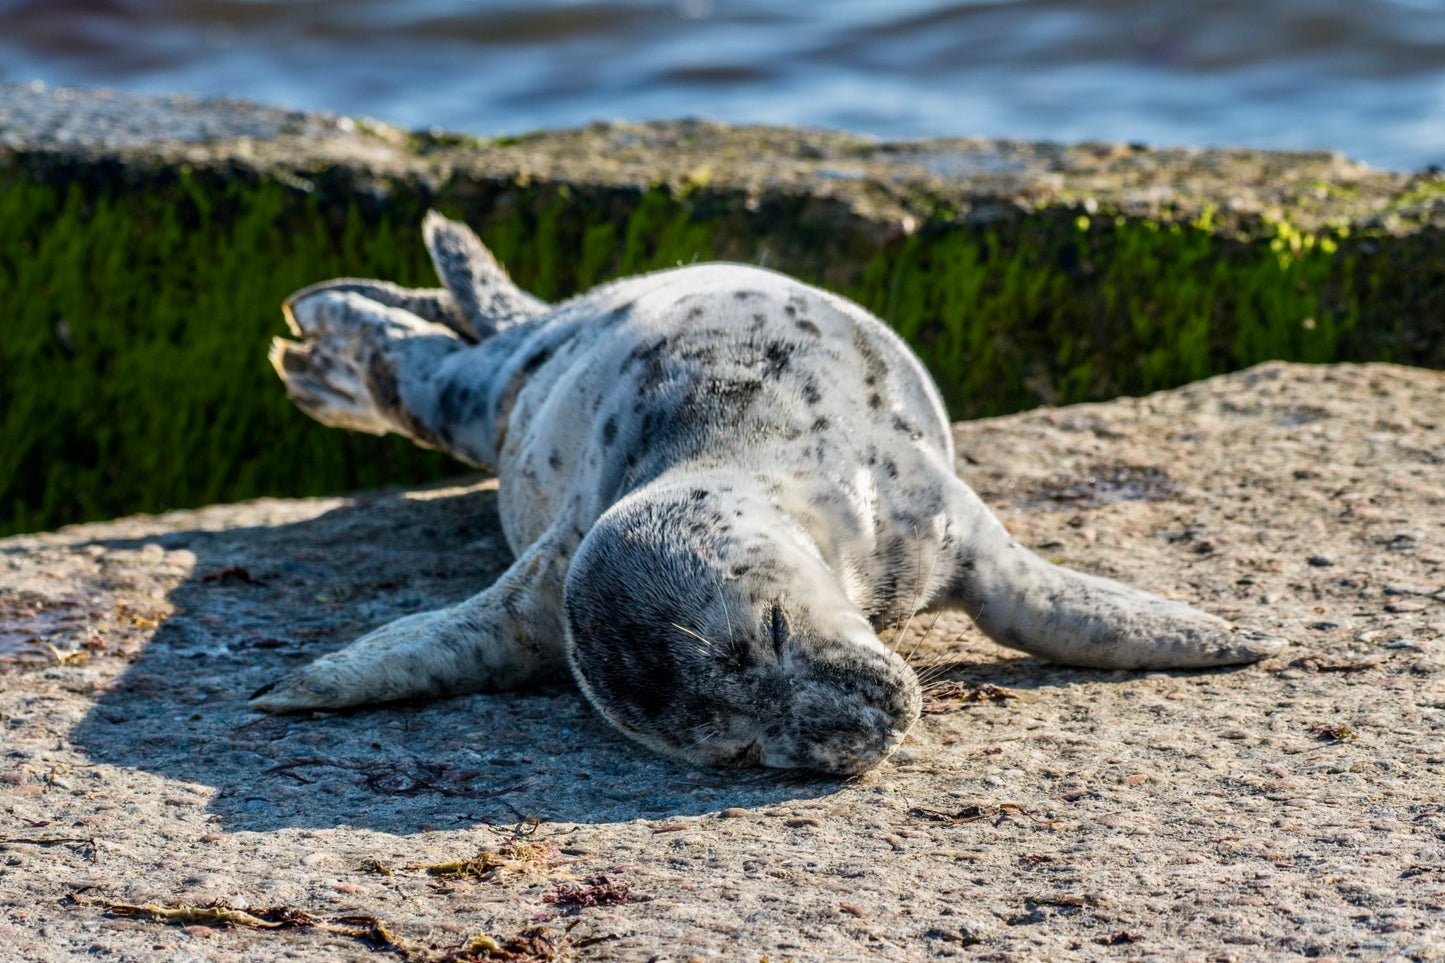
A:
[733, 812]
[1321, 561]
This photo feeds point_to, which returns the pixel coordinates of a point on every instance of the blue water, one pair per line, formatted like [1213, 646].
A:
[1366, 77]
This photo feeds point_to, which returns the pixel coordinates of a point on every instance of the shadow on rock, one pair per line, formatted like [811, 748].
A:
[264, 599]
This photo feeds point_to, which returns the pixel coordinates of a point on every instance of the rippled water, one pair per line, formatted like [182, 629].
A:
[1363, 76]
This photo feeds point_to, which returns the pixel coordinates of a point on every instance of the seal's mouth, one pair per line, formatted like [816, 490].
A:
[749, 755]
[838, 756]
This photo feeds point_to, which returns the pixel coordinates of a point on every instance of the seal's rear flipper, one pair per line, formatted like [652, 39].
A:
[430, 304]
[1024, 602]
[488, 298]
[372, 367]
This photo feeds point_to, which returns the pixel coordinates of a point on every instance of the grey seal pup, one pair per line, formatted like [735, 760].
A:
[719, 483]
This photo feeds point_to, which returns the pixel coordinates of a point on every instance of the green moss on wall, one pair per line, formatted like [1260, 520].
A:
[1062, 308]
[133, 373]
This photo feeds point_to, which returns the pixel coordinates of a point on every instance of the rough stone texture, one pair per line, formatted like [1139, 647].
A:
[1269, 812]
[892, 186]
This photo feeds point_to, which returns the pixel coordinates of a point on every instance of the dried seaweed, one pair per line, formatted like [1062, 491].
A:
[1333, 732]
[514, 856]
[597, 891]
[952, 695]
[979, 811]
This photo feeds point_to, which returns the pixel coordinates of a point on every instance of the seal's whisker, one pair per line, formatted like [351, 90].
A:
[728, 615]
[934, 672]
[708, 734]
[901, 626]
[920, 588]
[708, 644]
[922, 638]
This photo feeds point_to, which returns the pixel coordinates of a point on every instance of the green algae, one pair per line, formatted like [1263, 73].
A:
[1060, 308]
[133, 373]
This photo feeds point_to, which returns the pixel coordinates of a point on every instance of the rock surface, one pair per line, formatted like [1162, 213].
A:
[1286, 809]
[894, 186]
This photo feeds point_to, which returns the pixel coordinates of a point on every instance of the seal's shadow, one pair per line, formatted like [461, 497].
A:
[261, 600]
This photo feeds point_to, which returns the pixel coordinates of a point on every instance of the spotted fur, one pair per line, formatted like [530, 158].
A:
[719, 483]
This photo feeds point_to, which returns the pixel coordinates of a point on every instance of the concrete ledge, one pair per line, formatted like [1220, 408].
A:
[1021, 273]
[896, 186]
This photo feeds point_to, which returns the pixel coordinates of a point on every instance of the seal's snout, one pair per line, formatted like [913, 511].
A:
[848, 718]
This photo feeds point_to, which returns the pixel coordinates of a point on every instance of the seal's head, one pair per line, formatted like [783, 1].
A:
[718, 635]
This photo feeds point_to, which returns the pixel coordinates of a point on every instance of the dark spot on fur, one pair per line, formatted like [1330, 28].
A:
[875, 401]
[554, 460]
[776, 356]
[803, 324]
[454, 402]
[694, 313]
[705, 354]
[810, 391]
[874, 367]
[386, 394]
[899, 424]
[537, 360]
[744, 295]
[650, 356]
[609, 430]
[821, 424]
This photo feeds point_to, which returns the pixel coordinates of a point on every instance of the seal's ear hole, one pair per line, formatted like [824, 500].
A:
[778, 625]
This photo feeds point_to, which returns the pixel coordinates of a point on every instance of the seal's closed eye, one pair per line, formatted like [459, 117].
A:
[778, 626]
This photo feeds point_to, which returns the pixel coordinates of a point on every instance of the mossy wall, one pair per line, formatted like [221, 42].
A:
[133, 373]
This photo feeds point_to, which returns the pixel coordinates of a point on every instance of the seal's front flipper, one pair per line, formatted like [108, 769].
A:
[1025, 602]
[507, 636]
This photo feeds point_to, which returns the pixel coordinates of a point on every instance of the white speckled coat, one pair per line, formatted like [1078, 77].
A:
[719, 482]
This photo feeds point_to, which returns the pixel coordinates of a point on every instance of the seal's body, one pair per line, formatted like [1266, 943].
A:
[719, 483]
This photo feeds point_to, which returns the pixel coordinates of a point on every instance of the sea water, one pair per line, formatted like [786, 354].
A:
[1366, 77]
